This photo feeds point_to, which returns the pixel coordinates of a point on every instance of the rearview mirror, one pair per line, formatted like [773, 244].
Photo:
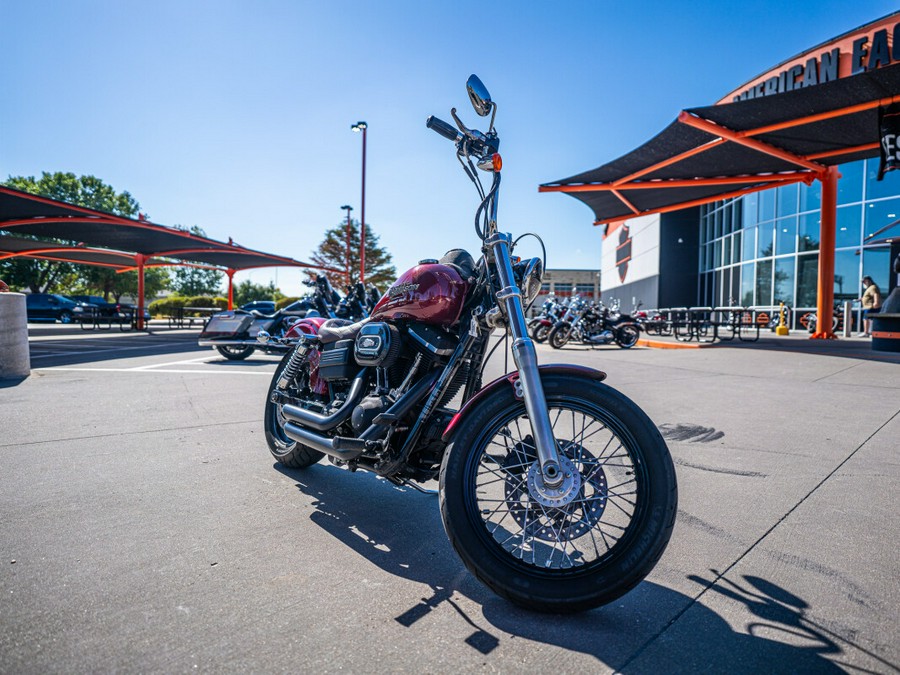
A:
[479, 95]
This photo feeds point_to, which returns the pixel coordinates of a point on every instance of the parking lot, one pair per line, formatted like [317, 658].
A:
[146, 527]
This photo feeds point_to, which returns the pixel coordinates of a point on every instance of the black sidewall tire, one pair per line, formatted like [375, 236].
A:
[65, 317]
[590, 588]
[540, 332]
[627, 336]
[235, 355]
[286, 452]
[555, 338]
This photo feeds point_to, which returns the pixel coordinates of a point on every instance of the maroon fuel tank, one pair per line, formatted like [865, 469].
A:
[429, 292]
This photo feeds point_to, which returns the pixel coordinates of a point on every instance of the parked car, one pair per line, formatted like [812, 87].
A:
[261, 306]
[52, 307]
[109, 310]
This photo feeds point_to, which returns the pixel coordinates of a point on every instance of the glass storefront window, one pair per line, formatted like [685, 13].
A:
[766, 205]
[847, 227]
[717, 217]
[807, 280]
[787, 200]
[726, 248]
[847, 280]
[747, 284]
[726, 219]
[784, 281]
[877, 264]
[786, 236]
[811, 196]
[749, 247]
[809, 232]
[850, 183]
[736, 247]
[880, 216]
[737, 213]
[717, 254]
[764, 282]
[764, 242]
[751, 203]
[888, 187]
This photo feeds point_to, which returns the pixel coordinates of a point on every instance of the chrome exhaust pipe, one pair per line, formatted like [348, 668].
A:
[327, 422]
[338, 447]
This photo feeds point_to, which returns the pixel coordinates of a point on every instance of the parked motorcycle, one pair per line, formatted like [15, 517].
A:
[551, 311]
[594, 324]
[234, 333]
[556, 490]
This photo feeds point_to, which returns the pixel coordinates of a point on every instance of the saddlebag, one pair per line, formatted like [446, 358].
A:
[226, 324]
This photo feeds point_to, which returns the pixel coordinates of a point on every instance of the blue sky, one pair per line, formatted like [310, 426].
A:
[236, 116]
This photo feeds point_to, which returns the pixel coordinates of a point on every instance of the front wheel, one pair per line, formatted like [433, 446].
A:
[235, 352]
[627, 335]
[559, 335]
[285, 450]
[549, 552]
[540, 332]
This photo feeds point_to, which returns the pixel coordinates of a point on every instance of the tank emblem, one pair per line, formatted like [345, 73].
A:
[402, 289]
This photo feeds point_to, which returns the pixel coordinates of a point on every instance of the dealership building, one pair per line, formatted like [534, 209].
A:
[725, 207]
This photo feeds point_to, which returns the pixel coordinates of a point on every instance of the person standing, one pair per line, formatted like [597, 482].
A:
[871, 302]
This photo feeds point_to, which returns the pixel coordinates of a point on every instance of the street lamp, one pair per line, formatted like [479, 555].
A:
[348, 208]
[362, 126]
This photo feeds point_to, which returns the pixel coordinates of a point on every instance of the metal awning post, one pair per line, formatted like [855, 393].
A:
[139, 259]
[230, 273]
[825, 294]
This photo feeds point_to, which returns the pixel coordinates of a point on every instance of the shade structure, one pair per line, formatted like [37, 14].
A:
[721, 151]
[731, 149]
[108, 239]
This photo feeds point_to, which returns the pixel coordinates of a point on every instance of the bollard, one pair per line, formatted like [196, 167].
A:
[848, 319]
[15, 361]
[781, 328]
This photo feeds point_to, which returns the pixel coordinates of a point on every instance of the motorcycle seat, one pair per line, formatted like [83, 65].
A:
[339, 329]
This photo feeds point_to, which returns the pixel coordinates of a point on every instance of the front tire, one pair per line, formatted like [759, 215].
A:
[540, 332]
[587, 552]
[235, 353]
[285, 450]
[559, 335]
[627, 336]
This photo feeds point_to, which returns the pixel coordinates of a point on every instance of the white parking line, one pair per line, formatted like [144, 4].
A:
[230, 371]
[177, 363]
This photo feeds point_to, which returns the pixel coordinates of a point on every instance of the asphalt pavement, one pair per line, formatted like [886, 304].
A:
[145, 527]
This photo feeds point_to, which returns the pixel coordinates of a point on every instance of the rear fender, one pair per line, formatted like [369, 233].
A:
[511, 380]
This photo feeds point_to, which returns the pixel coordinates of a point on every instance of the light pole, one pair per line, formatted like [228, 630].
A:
[362, 126]
[349, 209]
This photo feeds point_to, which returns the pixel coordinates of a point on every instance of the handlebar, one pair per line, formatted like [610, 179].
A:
[444, 129]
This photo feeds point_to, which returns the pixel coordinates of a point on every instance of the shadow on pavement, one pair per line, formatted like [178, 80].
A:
[67, 352]
[400, 531]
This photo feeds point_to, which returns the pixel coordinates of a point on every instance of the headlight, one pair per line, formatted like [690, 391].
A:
[529, 275]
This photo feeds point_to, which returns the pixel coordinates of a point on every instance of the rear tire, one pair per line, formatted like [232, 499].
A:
[511, 541]
[235, 353]
[559, 335]
[285, 450]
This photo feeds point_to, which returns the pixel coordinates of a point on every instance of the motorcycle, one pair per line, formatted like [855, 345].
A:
[234, 333]
[556, 490]
[540, 326]
[594, 324]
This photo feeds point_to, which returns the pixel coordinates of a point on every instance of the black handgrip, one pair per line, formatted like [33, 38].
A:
[442, 128]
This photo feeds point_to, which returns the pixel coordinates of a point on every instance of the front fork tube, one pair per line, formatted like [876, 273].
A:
[525, 358]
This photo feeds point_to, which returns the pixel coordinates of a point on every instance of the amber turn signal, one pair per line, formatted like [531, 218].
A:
[497, 161]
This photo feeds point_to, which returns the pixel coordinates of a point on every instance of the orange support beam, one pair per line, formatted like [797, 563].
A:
[139, 259]
[825, 295]
[771, 179]
[230, 273]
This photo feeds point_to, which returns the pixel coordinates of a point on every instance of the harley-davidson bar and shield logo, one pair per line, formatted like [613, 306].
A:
[623, 252]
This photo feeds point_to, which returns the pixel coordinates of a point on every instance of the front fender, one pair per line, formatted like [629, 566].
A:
[510, 380]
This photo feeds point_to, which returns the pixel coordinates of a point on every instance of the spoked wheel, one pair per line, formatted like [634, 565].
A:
[559, 335]
[576, 546]
[235, 352]
[286, 450]
[540, 332]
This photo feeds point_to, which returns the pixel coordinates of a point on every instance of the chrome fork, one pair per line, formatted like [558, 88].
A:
[525, 357]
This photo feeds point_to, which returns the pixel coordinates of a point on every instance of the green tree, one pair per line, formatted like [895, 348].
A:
[194, 280]
[332, 252]
[89, 191]
[246, 291]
